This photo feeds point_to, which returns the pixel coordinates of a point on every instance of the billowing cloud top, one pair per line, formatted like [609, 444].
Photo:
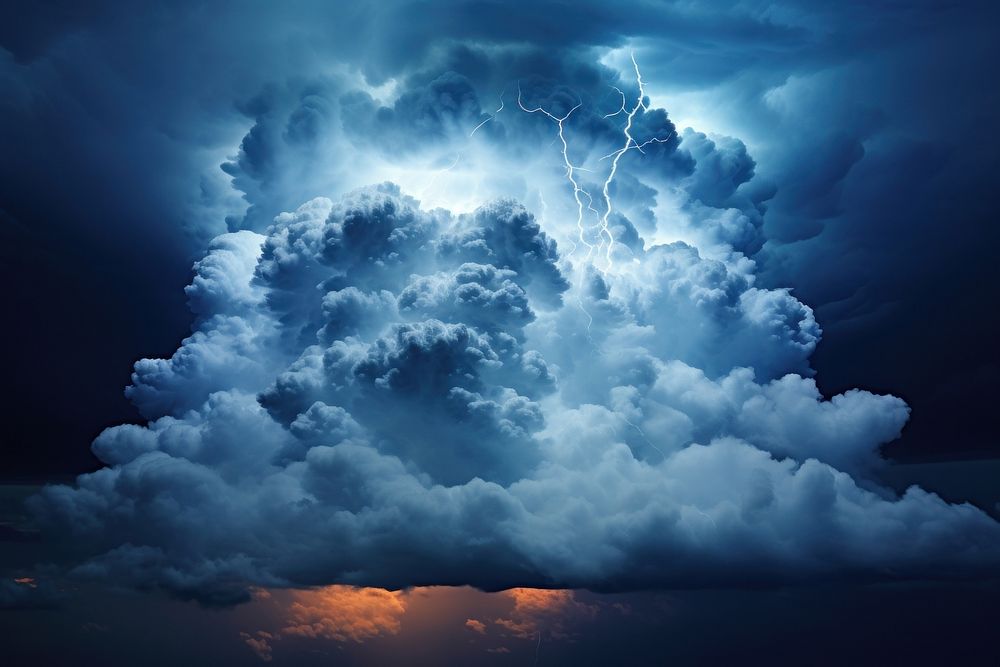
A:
[470, 374]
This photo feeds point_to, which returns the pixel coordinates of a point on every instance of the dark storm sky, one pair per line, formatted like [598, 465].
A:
[883, 218]
[871, 126]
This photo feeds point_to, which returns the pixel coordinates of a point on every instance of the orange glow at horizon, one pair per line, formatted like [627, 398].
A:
[345, 613]
[357, 615]
[542, 609]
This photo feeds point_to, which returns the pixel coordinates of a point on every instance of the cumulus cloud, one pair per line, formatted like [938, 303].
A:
[428, 383]
[260, 644]
[538, 610]
[333, 96]
[379, 394]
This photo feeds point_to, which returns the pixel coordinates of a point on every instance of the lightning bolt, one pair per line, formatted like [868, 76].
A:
[625, 419]
[605, 237]
[630, 142]
[571, 168]
[622, 109]
[643, 434]
[491, 116]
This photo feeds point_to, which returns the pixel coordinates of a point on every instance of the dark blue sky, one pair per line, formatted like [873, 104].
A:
[812, 172]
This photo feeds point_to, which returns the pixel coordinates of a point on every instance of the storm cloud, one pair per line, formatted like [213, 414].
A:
[404, 368]
[381, 395]
[869, 127]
